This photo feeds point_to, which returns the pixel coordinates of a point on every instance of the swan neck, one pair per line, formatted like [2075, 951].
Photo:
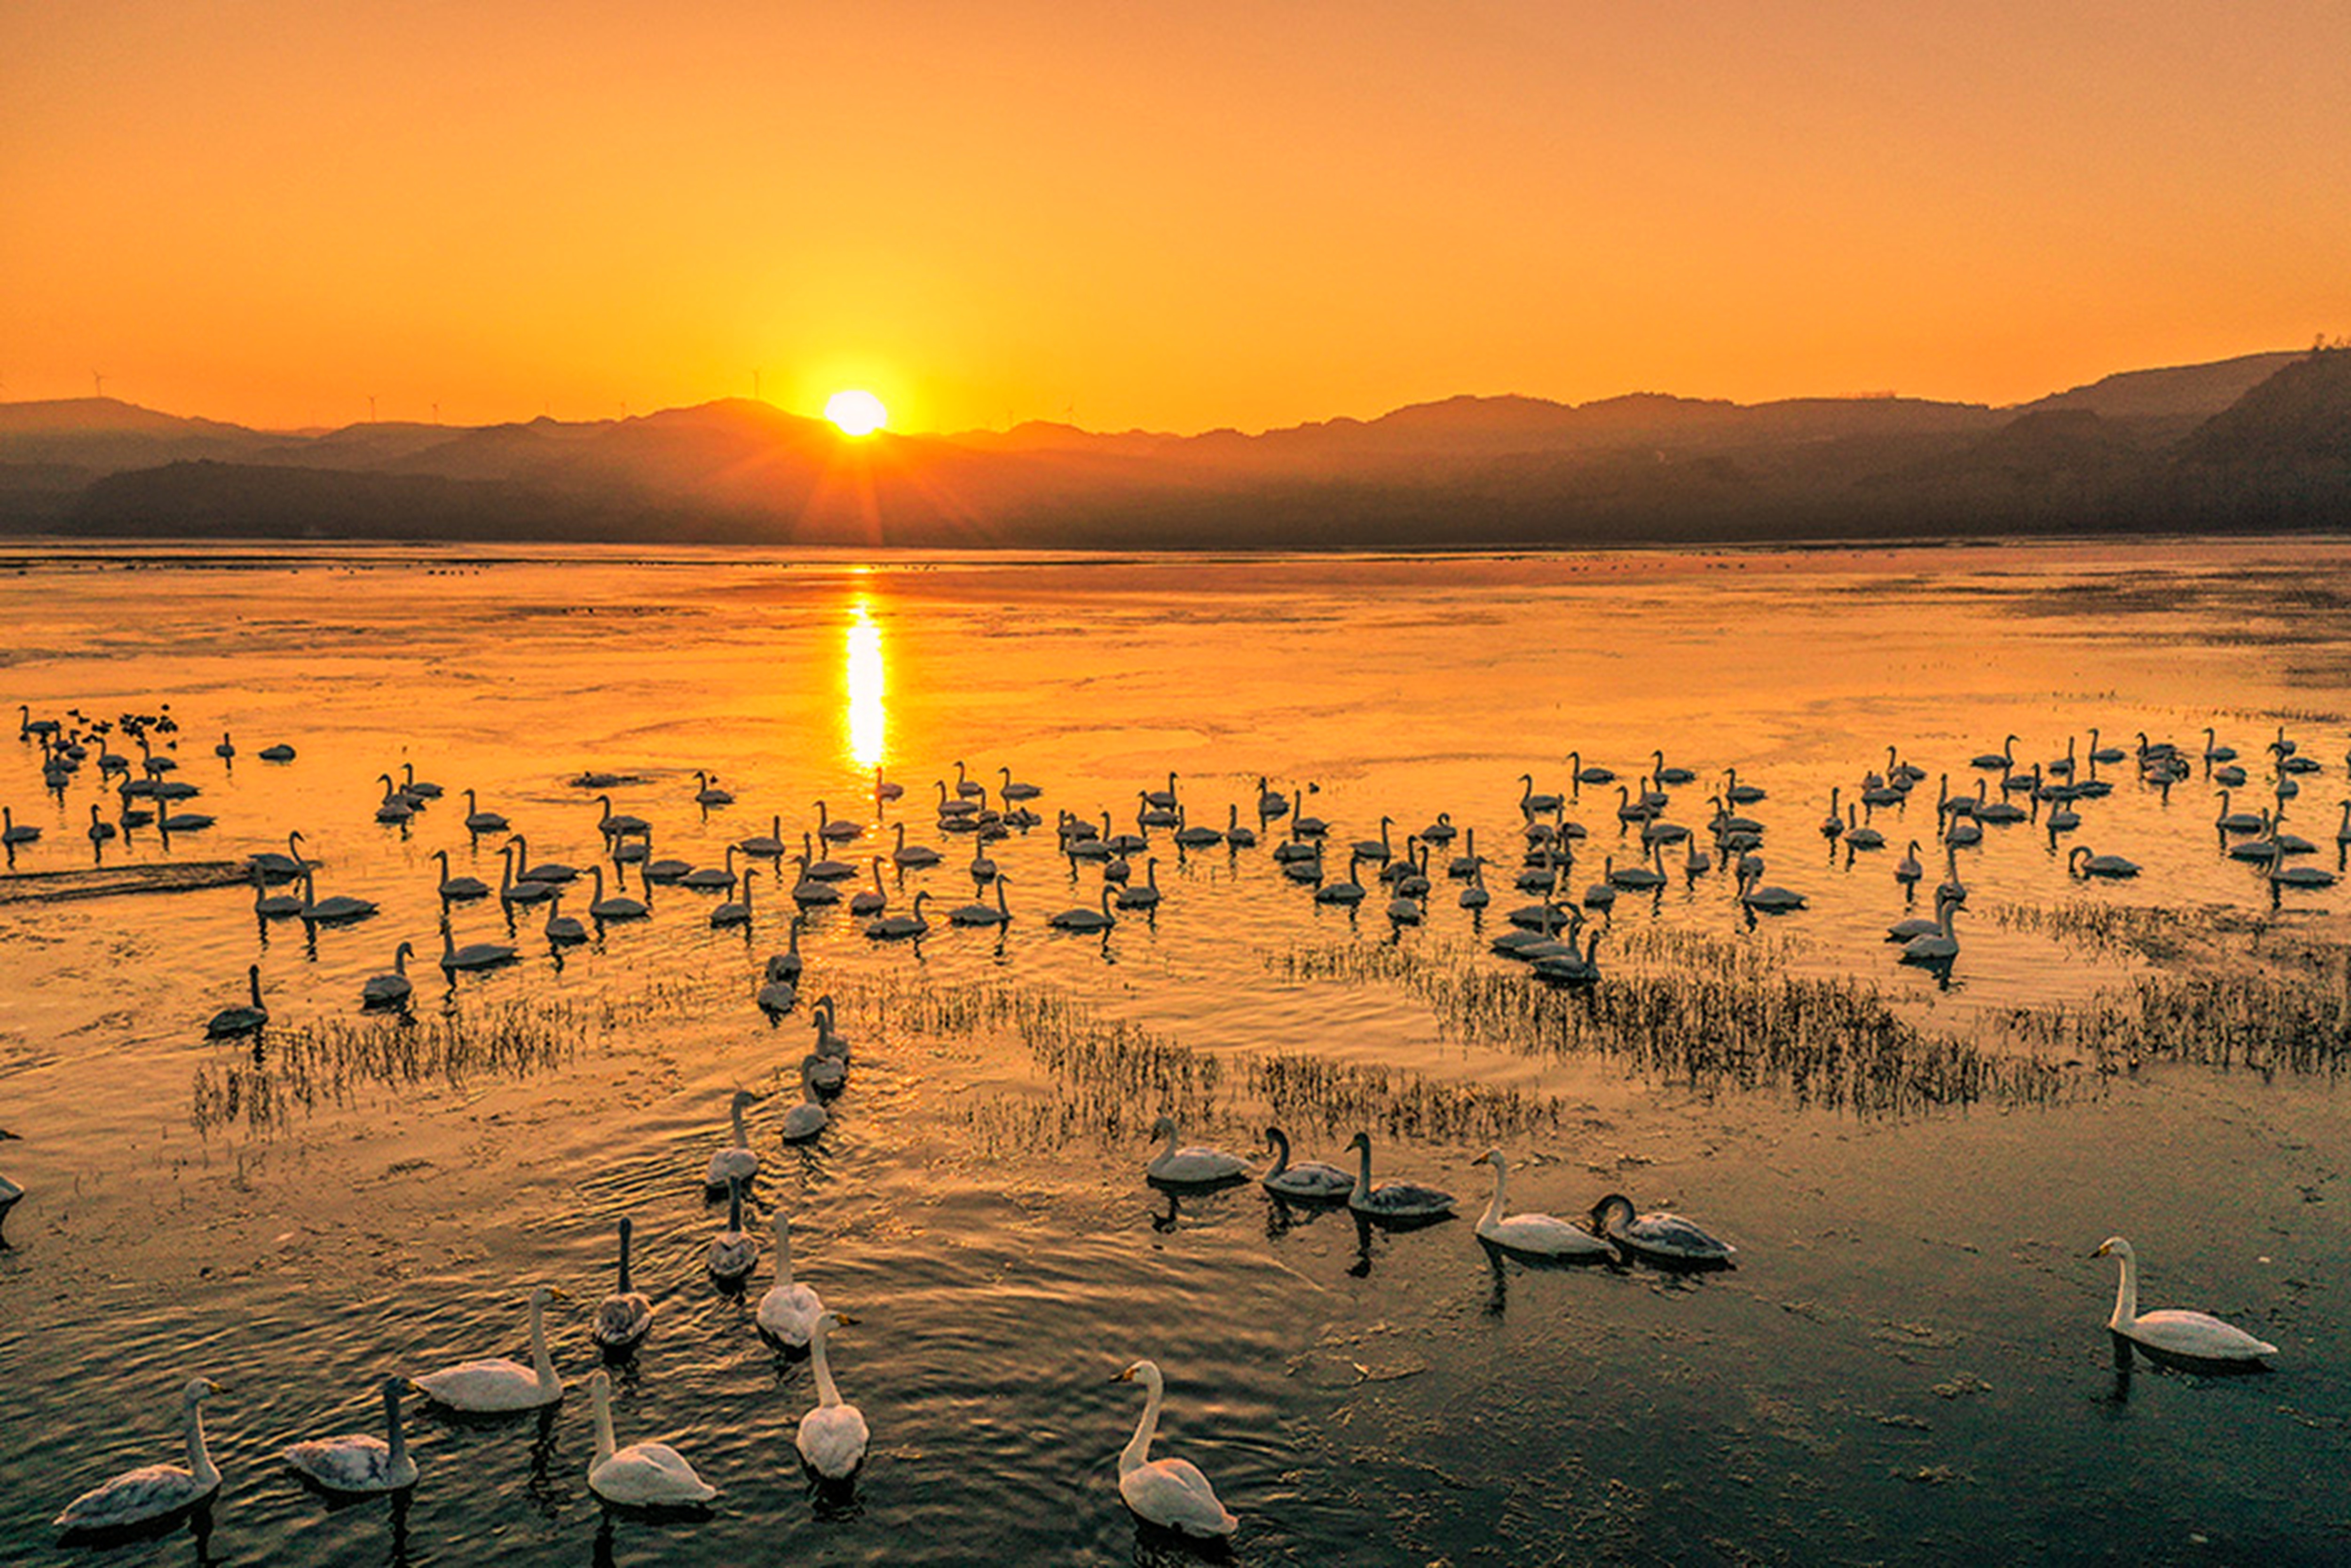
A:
[1364, 1171]
[395, 1430]
[540, 1361]
[2126, 1296]
[1137, 1452]
[1281, 1152]
[624, 1261]
[783, 1256]
[1494, 1208]
[827, 1394]
[200, 1459]
[604, 1444]
[742, 1134]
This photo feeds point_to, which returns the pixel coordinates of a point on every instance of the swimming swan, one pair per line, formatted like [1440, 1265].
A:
[642, 1475]
[499, 1384]
[1171, 1493]
[152, 1491]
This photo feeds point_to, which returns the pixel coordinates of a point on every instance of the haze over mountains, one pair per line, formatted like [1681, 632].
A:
[2259, 442]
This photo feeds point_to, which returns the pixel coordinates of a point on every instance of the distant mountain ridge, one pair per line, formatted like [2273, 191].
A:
[2260, 437]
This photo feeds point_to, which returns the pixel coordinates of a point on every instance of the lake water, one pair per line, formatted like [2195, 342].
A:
[1910, 1363]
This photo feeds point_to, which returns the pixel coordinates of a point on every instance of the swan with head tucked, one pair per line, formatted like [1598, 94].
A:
[1195, 1164]
[832, 1437]
[738, 1160]
[1660, 1237]
[1395, 1199]
[626, 1316]
[153, 1492]
[499, 1384]
[356, 1461]
[642, 1475]
[2186, 1336]
[1310, 1180]
[1536, 1235]
[789, 1312]
[1171, 1493]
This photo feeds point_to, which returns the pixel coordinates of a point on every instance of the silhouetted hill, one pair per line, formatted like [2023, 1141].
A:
[2262, 440]
[2184, 391]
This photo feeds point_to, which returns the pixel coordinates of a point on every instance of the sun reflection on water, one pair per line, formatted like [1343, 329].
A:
[868, 719]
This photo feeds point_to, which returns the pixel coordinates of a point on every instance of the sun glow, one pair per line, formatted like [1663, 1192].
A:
[868, 718]
[857, 413]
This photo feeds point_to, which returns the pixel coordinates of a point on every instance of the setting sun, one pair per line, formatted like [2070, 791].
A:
[857, 413]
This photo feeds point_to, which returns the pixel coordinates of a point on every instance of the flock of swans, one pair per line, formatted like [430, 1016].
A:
[832, 1437]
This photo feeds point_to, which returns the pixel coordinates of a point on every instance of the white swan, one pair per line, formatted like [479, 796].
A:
[737, 1161]
[897, 927]
[357, 1462]
[473, 955]
[620, 906]
[1310, 1180]
[1661, 1237]
[499, 1384]
[1936, 946]
[733, 1252]
[1236, 835]
[625, 1317]
[270, 906]
[230, 1021]
[832, 1437]
[2191, 1336]
[562, 929]
[789, 1312]
[1084, 919]
[709, 794]
[1171, 1493]
[978, 914]
[713, 879]
[642, 1475]
[913, 856]
[807, 1119]
[1755, 893]
[334, 907]
[477, 820]
[153, 1492]
[514, 889]
[388, 990]
[1195, 1164]
[453, 887]
[1538, 1235]
[1395, 1199]
[2085, 864]
[614, 826]
[736, 911]
[1147, 896]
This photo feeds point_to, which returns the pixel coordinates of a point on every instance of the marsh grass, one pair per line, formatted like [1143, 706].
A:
[299, 1066]
[1111, 1078]
[1727, 1017]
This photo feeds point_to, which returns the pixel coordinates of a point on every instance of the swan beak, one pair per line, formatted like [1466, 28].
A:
[844, 1320]
[1126, 1377]
[2101, 1251]
[557, 1292]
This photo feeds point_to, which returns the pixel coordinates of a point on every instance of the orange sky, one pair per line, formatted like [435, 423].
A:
[1170, 215]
